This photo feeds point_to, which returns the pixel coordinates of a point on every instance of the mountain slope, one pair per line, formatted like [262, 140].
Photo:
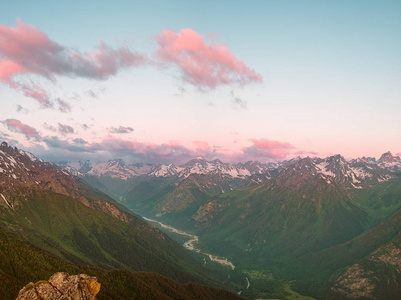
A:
[22, 263]
[44, 205]
[317, 218]
[303, 224]
[170, 191]
[296, 212]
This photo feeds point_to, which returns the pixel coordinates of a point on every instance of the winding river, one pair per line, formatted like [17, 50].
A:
[190, 244]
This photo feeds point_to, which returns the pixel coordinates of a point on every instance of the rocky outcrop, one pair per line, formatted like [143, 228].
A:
[62, 286]
[355, 283]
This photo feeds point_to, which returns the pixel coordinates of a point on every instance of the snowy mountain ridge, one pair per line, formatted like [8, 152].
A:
[354, 173]
[118, 169]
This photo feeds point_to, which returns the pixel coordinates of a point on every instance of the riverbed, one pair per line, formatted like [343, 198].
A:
[190, 244]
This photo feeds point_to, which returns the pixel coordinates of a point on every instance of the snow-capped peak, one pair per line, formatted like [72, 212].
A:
[390, 162]
[335, 170]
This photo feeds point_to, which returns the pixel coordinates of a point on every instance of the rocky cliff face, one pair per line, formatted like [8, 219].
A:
[22, 171]
[62, 286]
[377, 276]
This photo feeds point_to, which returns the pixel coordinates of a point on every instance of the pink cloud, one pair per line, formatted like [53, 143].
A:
[166, 152]
[36, 92]
[201, 146]
[269, 144]
[111, 147]
[62, 145]
[8, 68]
[17, 126]
[202, 65]
[264, 148]
[24, 50]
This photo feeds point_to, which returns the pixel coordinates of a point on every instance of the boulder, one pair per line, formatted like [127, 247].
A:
[62, 286]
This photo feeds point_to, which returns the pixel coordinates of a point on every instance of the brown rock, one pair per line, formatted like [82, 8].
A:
[62, 286]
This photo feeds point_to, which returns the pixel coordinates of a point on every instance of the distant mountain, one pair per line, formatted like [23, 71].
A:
[305, 216]
[337, 171]
[174, 193]
[311, 179]
[168, 190]
[44, 205]
[118, 169]
[308, 200]
[388, 161]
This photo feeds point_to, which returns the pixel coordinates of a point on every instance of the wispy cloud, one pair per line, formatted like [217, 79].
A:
[110, 147]
[24, 50]
[92, 94]
[63, 106]
[80, 141]
[65, 129]
[50, 127]
[22, 109]
[62, 129]
[121, 129]
[238, 102]
[65, 145]
[17, 126]
[131, 150]
[28, 54]
[202, 64]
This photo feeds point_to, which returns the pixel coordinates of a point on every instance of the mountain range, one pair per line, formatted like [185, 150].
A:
[303, 221]
[52, 221]
[327, 228]
[117, 168]
[170, 191]
[277, 221]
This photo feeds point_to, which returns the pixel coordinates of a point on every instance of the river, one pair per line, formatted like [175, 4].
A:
[190, 244]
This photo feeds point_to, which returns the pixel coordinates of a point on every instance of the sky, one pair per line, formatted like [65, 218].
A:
[167, 81]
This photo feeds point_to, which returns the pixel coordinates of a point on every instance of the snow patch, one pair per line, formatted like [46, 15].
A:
[322, 169]
[28, 154]
[5, 200]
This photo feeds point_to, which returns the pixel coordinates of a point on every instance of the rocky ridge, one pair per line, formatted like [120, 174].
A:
[119, 169]
[355, 173]
[62, 286]
[335, 170]
[21, 170]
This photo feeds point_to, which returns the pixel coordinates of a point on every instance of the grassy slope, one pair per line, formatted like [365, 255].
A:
[279, 221]
[145, 193]
[322, 266]
[22, 263]
[173, 201]
[70, 230]
[302, 237]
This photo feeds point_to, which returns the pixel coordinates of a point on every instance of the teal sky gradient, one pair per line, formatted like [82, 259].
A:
[331, 80]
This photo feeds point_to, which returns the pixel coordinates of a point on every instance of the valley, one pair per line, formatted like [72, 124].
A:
[275, 222]
[305, 228]
[190, 244]
[60, 223]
